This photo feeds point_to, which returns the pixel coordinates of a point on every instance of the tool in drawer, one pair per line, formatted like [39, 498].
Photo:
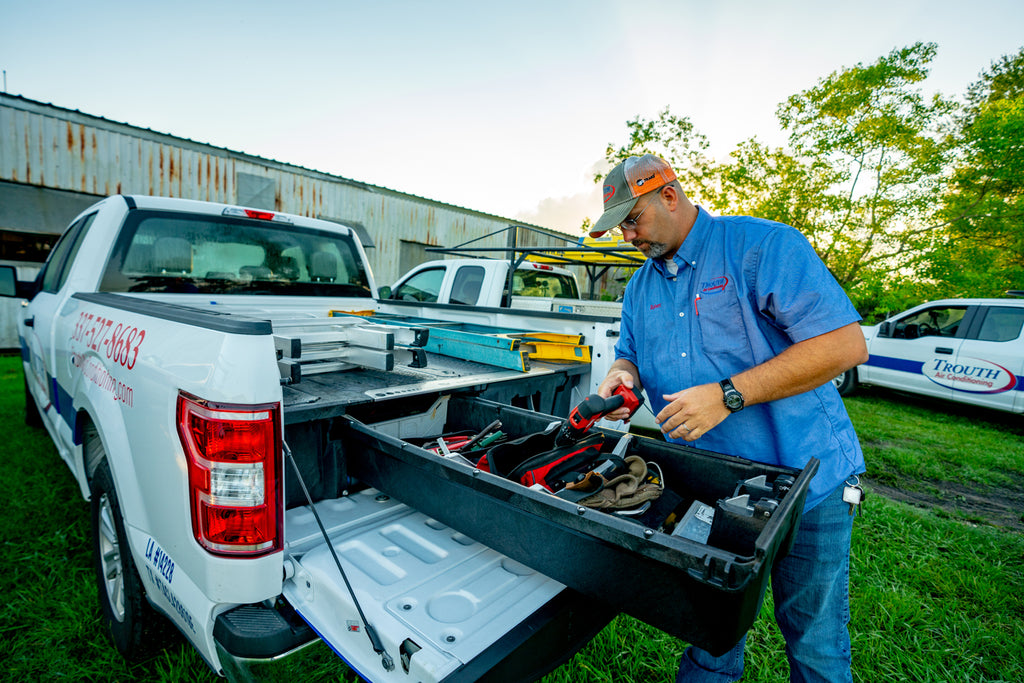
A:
[593, 408]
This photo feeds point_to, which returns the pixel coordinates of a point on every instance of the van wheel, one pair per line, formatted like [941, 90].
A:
[135, 627]
[32, 416]
[846, 382]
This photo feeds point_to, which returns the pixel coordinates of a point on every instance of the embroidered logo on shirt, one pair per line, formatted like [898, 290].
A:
[714, 285]
[655, 306]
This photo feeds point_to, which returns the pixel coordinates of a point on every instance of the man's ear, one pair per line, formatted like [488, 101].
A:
[670, 195]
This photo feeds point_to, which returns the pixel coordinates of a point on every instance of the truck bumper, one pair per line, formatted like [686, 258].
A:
[539, 644]
[287, 666]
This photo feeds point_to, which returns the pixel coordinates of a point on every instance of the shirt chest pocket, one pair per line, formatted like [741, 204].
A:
[723, 332]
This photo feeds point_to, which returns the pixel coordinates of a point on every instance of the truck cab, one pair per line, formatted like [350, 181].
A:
[481, 282]
[963, 350]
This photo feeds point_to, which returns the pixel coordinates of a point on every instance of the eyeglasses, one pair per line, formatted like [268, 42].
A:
[630, 223]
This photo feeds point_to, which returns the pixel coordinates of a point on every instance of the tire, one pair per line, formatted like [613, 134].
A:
[136, 629]
[32, 416]
[846, 382]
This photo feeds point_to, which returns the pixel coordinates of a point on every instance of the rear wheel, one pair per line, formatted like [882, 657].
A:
[846, 382]
[135, 627]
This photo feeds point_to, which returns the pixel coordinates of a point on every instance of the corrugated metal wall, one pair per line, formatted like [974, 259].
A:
[47, 146]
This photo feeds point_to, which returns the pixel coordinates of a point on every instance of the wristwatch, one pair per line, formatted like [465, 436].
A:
[732, 398]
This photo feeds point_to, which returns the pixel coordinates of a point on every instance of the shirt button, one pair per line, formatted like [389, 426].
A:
[684, 355]
[681, 314]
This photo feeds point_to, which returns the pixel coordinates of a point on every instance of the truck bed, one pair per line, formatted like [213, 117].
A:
[707, 592]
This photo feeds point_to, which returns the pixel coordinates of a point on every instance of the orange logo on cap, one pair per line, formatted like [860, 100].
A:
[609, 192]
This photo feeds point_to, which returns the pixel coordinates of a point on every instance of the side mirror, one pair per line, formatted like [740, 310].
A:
[384, 292]
[885, 330]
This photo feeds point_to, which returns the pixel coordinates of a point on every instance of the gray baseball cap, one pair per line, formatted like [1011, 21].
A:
[625, 184]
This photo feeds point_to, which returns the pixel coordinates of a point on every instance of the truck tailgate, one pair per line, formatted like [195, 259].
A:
[446, 606]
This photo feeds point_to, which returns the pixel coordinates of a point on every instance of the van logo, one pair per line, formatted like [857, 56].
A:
[714, 285]
[971, 375]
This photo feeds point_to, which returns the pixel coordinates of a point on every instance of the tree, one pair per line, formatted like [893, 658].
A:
[980, 251]
[887, 146]
[860, 177]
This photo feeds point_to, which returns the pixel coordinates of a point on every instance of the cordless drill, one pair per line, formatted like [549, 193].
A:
[593, 408]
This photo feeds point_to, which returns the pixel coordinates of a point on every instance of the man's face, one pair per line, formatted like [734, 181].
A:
[646, 228]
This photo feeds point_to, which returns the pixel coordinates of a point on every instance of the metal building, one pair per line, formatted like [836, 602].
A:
[55, 162]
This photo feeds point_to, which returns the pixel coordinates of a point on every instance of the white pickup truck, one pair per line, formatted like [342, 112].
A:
[247, 437]
[484, 282]
[964, 350]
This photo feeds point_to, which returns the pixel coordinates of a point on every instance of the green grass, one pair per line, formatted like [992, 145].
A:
[934, 598]
[911, 438]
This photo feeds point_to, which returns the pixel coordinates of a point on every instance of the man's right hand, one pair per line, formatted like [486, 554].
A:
[618, 375]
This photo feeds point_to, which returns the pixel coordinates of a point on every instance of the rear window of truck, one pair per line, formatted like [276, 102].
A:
[171, 252]
[545, 284]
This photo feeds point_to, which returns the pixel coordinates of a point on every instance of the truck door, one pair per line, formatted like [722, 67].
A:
[40, 327]
[989, 367]
[912, 355]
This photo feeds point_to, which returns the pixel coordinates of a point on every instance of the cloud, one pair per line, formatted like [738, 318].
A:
[565, 214]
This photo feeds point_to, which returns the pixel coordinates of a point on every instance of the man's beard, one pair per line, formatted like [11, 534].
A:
[653, 249]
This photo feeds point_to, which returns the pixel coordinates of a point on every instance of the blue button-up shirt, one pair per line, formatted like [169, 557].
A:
[738, 292]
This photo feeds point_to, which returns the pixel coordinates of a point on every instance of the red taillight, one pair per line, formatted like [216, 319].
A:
[262, 215]
[234, 474]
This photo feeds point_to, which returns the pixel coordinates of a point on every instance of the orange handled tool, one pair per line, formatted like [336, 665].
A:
[593, 408]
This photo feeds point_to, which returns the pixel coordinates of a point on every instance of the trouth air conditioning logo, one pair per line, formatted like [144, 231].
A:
[973, 375]
[714, 285]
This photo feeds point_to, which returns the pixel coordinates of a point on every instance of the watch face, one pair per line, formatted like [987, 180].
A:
[732, 398]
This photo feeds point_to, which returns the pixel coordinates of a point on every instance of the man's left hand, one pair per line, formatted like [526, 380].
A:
[692, 413]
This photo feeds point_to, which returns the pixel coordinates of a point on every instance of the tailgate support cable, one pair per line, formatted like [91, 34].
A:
[375, 641]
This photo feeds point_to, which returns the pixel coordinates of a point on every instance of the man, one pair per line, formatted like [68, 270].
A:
[735, 328]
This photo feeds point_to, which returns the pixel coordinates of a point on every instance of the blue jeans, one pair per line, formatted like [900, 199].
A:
[811, 587]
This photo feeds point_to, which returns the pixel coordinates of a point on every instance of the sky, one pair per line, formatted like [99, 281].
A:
[505, 108]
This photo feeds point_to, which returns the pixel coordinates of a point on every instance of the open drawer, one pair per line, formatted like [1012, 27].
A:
[703, 582]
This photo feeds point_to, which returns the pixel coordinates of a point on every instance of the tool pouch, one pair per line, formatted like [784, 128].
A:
[536, 459]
